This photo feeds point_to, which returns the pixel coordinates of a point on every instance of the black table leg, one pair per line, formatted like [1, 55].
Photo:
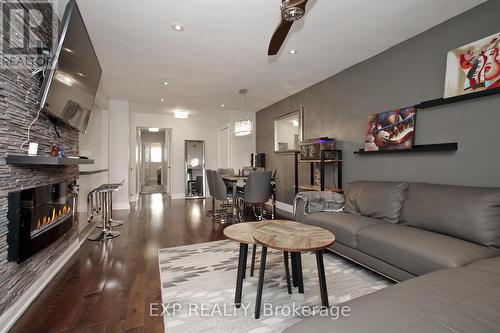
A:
[245, 254]
[239, 276]
[260, 285]
[252, 266]
[322, 279]
[294, 269]
[287, 272]
[300, 281]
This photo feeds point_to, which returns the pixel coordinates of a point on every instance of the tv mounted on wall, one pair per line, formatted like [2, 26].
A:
[70, 85]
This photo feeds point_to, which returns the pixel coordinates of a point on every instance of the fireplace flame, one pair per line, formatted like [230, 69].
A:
[56, 214]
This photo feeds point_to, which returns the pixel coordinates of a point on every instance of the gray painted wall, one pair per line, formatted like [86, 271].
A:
[404, 75]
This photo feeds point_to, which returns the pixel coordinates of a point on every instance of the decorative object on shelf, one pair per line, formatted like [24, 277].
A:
[57, 151]
[289, 131]
[311, 149]
[33, 149]
[473, 67]
[391, 130]
[243, 127]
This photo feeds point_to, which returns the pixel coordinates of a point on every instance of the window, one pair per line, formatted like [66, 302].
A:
[156, 154]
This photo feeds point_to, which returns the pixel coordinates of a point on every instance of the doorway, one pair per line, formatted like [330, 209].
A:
[153, 160]
[223, 143]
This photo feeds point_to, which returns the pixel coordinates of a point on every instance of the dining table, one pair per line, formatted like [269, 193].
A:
[234, 181]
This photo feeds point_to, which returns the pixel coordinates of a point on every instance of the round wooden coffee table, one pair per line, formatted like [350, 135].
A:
[289, 236]
[242, 233]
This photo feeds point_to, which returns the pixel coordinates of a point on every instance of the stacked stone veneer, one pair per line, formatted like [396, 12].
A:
[18, 107]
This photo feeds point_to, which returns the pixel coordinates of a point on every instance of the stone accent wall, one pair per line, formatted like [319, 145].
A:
[18, 107]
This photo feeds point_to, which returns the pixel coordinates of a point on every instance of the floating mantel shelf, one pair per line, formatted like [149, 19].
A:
[45, 160]
[440, 147]
[92, 172]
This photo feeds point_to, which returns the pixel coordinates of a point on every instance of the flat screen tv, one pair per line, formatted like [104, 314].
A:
[70, 84]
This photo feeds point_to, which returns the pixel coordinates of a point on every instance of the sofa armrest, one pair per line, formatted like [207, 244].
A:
[300, 207]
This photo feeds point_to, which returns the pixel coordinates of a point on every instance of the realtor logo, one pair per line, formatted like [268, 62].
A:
[29, 33]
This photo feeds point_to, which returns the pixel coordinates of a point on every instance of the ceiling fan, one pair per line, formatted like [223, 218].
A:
[291, 11]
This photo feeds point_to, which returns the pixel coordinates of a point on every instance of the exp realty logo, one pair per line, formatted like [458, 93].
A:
[29, 33]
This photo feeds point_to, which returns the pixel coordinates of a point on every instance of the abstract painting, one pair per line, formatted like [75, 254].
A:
[391, 130]
[473, 67]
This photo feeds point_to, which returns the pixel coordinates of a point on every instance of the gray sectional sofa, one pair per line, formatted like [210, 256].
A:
[444, 240]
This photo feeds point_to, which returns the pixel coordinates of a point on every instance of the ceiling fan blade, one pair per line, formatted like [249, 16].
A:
[279, 37]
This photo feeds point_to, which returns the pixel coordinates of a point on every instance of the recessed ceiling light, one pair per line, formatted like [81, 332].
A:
[177, 27]
[165, 83]
[222, 105]
[153, 129]
[293, 51]
[80, 74]
[181, 114]
[163, 99]
[68, 50]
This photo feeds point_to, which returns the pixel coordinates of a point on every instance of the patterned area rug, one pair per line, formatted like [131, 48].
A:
[150, 189]
[198, 284]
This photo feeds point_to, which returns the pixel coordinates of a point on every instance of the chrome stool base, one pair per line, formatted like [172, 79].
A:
[113, 224]
[104, 235]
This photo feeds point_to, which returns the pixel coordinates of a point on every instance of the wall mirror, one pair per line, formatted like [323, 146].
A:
[195, 168]
[289, 131]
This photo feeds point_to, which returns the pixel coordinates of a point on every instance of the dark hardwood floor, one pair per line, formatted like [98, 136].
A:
[108, 286]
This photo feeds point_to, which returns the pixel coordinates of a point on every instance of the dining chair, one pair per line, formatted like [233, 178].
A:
[226, 171]
[221, 194]
[257, 192]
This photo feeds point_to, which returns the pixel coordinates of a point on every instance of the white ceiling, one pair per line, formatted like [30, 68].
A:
[224, 46]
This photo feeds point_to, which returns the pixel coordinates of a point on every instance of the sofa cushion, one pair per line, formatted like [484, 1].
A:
[380, 200]
[344, 225]
[418, 251]
[469, 213]
[451, 300]
[490, 265]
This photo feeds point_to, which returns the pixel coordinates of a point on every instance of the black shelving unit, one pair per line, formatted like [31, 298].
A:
[440, 147]
[45, 160]
[336, 163]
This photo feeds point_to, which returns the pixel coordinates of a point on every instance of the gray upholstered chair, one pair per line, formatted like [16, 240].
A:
[211, 190]
[257, 191]
[220, 194]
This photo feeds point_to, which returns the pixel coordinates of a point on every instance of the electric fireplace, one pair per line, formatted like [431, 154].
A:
[38, 217]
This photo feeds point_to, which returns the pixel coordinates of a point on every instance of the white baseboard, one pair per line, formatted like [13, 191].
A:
[284, 206]
[12, 314]
[178, 196]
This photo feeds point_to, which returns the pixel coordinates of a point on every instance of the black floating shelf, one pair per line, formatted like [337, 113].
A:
[45, 160]
[443, 147]
[92, 172]
[443, 101]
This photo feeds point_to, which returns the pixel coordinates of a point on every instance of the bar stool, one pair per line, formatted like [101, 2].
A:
[113, 187]
[91, 199]
[106, 233]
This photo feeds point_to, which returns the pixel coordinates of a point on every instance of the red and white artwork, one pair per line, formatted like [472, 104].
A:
[473, 67]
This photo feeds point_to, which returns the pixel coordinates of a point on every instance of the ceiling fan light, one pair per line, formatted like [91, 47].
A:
[293, 14]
